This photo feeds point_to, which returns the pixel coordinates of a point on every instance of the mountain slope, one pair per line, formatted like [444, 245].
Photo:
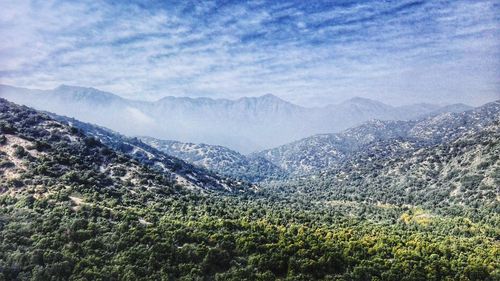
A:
[464, 171]
[321, 152]
[185, 173]
[246, 124]
[219, 159]
[41, 134]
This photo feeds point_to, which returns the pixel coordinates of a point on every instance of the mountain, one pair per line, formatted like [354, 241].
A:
[219, 159]
[306, 156]
[184, 172]
[464, 170]
[39, 135]
[447, 160]
[320, 152]
[246, 125]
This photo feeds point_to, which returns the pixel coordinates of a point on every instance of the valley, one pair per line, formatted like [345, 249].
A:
[406, 200]
[226, 140]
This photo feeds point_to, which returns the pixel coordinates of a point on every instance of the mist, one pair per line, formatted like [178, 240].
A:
[245, 125]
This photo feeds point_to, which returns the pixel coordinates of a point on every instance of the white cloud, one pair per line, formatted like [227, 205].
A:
[306, 55]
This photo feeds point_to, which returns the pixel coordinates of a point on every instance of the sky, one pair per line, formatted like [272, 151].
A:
[307, 52]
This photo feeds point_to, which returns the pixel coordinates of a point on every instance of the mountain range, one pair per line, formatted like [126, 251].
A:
[449, 158]
[322, 152]
[246, 125]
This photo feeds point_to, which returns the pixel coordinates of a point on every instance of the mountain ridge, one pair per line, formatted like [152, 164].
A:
[463, 171]
[65, 88]
[181, 171]
[319, 152]
[219, 159]
[246, 124]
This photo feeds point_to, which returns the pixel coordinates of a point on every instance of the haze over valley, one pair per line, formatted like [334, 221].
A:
[247, 124]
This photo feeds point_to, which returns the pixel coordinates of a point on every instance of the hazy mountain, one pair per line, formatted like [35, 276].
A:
[320, 152]
[246, 124]
[42, 134]
[219, 159]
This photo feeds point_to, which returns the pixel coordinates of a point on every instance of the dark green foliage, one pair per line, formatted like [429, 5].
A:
[217, 238]
[6, 164]
[20, 152]
[6, 128]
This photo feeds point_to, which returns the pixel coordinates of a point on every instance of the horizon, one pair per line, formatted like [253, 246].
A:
[309, 54]
[245, 125]
[249, 97]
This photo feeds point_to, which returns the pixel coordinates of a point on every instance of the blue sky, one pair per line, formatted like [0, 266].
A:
[307, 52]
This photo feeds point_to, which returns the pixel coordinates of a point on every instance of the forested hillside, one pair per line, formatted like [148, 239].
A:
[185, 173]
[73, 208]
[465, 172]
[322, 152]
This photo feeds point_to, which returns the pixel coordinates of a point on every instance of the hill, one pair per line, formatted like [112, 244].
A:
[443, 161]
[220, 159]
[189, 175]
[321, 152]
[39, 139]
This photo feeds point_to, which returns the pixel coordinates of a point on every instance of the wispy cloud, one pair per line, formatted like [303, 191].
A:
[309, 52]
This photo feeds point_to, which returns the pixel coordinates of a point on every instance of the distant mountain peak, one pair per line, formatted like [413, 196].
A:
[89, 93]
[361, 100]
[266, 97]
[267, 100]
[270, 96]
[65, 87]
